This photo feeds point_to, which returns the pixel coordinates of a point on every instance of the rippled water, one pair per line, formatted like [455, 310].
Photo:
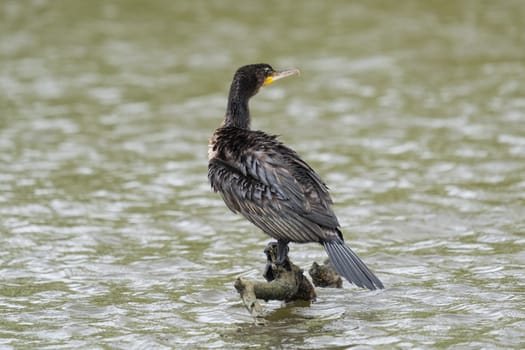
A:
[413, 113]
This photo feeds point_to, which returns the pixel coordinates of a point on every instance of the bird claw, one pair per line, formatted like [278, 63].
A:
[276, 256]
[268, 273]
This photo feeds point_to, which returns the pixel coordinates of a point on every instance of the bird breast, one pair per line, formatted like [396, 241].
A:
[212, 152]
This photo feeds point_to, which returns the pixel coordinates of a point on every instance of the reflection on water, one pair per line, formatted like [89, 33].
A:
[412, 113]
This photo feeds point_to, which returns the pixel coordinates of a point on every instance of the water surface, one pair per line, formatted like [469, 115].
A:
[413, 113]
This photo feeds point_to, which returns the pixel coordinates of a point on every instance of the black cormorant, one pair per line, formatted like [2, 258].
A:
[270, 185]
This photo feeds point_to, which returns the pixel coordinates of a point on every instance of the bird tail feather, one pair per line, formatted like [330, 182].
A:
[348, 265]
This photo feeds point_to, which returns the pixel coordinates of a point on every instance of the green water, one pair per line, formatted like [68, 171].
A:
[413, 112]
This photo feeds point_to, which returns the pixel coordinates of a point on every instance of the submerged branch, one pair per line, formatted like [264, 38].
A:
[325, 275]
[285, 282]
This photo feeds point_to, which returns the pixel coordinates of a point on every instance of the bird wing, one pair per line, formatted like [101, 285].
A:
[276, 190]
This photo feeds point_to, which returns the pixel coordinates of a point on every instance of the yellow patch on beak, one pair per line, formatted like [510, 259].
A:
[268, 81]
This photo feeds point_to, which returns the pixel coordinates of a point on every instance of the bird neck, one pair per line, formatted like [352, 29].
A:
[237, 112]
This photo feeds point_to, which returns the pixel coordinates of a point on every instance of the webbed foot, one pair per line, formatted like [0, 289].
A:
[276, 257]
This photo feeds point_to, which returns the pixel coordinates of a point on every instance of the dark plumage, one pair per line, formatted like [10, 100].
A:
[269, 184]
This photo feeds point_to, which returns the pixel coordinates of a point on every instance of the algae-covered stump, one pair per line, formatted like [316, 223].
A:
[285, 282]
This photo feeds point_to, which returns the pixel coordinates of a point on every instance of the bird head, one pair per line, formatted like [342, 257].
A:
[252, 77]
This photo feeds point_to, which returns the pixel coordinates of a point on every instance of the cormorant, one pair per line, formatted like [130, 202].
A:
[270, 185]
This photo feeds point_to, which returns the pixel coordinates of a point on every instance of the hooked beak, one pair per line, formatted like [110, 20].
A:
[279, 74]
